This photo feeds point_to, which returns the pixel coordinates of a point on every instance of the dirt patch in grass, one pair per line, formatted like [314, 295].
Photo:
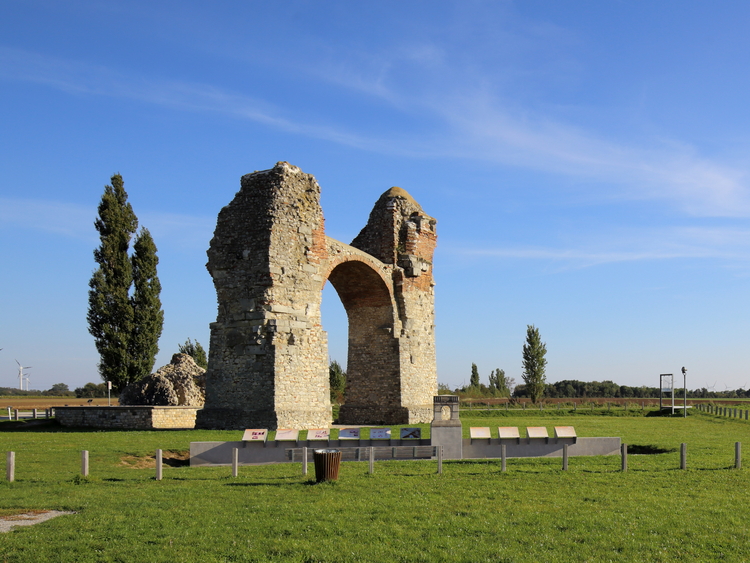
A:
[18, 513]
[27, 518]
[172, 458]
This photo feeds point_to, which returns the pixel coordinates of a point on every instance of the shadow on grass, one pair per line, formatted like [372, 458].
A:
[51, 425]
[257, 484]
[30, 425]
[648, 449]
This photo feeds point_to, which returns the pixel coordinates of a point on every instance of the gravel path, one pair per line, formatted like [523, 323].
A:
[28, 518]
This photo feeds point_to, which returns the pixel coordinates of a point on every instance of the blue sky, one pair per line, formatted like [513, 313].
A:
[587, 163]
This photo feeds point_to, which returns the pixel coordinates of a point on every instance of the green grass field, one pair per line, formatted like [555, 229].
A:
[404, 512]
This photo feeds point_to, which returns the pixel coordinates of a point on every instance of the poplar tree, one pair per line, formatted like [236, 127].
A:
[474, 381]
[148, 317]
[534, 363]
[110, 314]
[499, 383]
[124, 318]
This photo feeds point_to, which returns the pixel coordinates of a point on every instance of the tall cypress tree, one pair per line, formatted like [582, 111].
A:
[148, 317]
[124, 316]
[110, 314]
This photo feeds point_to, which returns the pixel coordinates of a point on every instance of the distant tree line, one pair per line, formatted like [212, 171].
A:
[499, 385]
[503, 386]
[574, 389]
[535, 386]
[13, 392]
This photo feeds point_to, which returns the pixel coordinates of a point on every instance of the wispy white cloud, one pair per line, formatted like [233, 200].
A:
[170, 230]
[729, 244]
[82, 78]
[480, 124]
[698, 185]
[66, 219]
[469, 123]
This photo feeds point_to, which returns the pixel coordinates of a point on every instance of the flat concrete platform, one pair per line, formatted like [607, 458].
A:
[539, 447]
[213, 454]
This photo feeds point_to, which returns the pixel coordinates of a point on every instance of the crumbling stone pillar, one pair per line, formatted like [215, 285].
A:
[400, 234]
[268, 352]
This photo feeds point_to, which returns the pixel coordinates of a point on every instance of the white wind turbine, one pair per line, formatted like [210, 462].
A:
[22, 376]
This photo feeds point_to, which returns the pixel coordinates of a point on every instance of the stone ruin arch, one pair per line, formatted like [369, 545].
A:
[269, 260]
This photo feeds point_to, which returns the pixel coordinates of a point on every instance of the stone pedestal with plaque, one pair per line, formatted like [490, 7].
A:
[445, 429]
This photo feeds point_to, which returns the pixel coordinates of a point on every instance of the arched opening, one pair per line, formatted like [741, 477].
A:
[336, 324]
[373, 391]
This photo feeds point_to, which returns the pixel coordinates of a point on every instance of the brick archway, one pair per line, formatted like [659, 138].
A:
[269, 260]
[372, 382]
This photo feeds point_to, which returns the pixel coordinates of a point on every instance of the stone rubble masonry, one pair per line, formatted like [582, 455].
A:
[130, 417]
[179, 383]
[269, 259]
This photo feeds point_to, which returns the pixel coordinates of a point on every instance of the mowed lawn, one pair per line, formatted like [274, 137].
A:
[404, 512]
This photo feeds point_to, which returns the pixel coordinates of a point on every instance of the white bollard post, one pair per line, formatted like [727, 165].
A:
[85, 463]
[235, 461]
[10, 468]
[16, 413]
[304, 461]
[624, 453]
[158, 465]
[440, 460]
[35, 414]
[372, 460]
[9, 415]
[503, 464]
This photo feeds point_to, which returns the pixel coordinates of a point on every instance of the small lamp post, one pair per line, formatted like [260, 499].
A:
[684, 389]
